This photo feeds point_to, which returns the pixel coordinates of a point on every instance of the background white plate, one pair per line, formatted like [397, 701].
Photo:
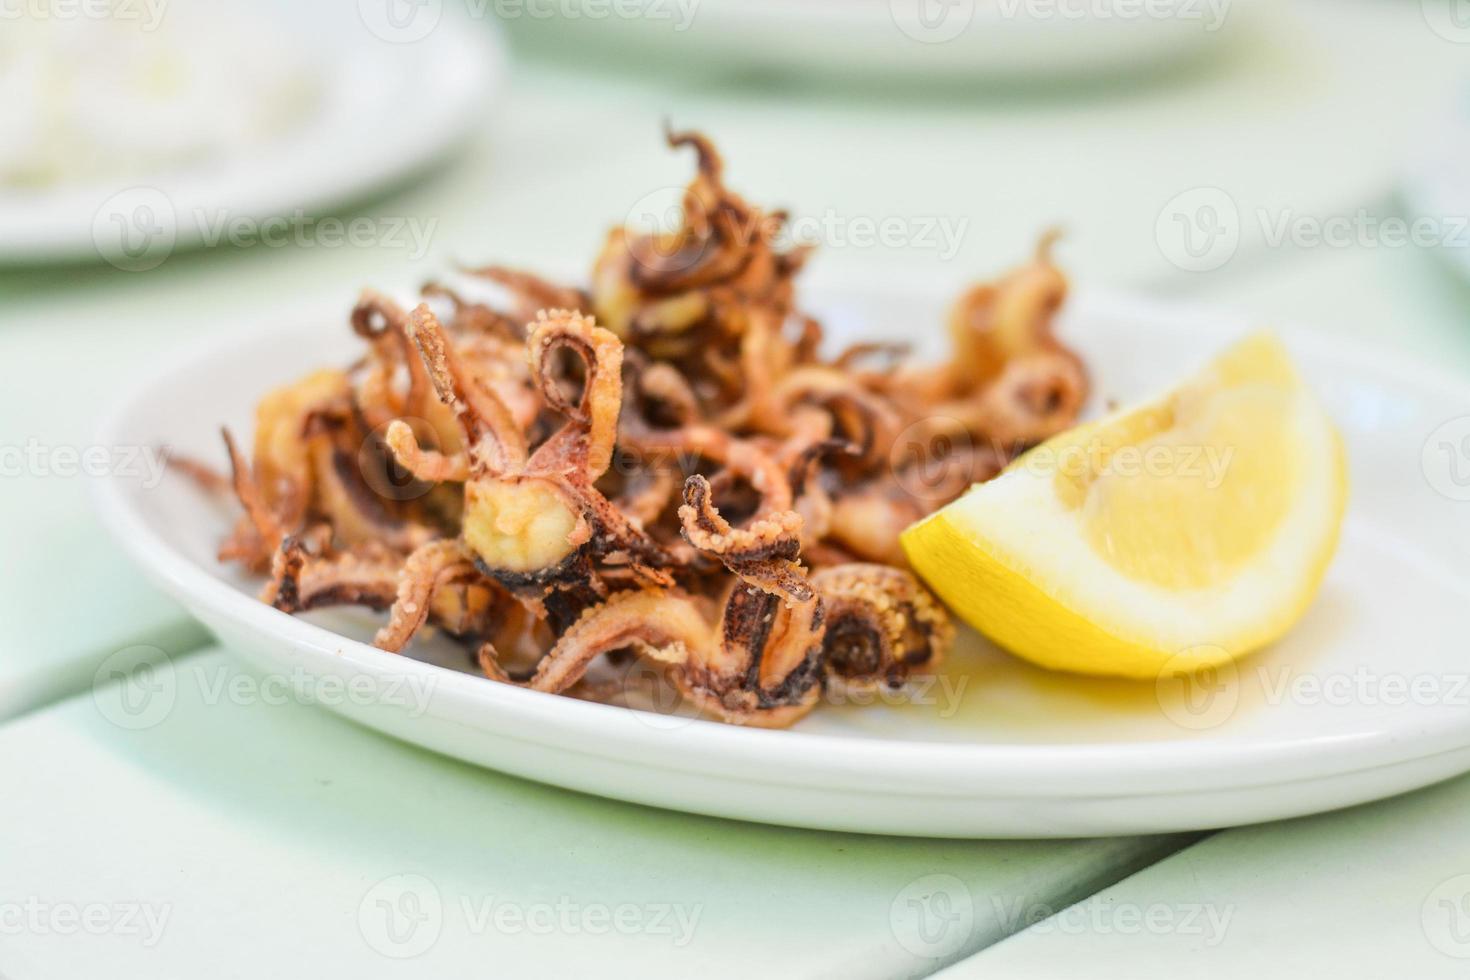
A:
[998, 749]
[385, 109]
[997, 40]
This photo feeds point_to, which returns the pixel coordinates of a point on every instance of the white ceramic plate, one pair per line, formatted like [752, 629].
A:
[1365, 699]
[1008, 40]
[381, 110]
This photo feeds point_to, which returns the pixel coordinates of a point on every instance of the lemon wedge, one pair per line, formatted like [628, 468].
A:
[1185, 531]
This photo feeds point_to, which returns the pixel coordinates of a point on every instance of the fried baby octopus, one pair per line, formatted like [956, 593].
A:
[684, 479]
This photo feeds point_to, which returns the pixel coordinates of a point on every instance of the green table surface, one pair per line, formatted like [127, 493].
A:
[248, 839]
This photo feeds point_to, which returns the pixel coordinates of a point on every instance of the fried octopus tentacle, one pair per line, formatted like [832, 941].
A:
[1035, 397]
[993, 322]
[425, 570]
[763, 554]
[845, 408]
[528, 522]
[716, 238]
[767, 669]
[586, 441]
[495, 440]
[661, 386]
[342, 458]
[648, 493]
[532, 293]
[882, 626]
[435, 582]
[205, 476]
[813, 501]
[666, 627]
[475, 318]
[738, 456]
[283, 591]
[614, 532]
[380, 320]
[301, 581]
[425, 464]
[260, 520]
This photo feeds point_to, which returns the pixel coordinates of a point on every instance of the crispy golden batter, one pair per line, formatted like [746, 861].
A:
[685, 478]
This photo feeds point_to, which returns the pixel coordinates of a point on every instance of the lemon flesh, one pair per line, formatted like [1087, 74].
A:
[1182, 532]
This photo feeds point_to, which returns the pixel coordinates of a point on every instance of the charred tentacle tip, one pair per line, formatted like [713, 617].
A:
[711, 164]
[283, 591]
[763, 555]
